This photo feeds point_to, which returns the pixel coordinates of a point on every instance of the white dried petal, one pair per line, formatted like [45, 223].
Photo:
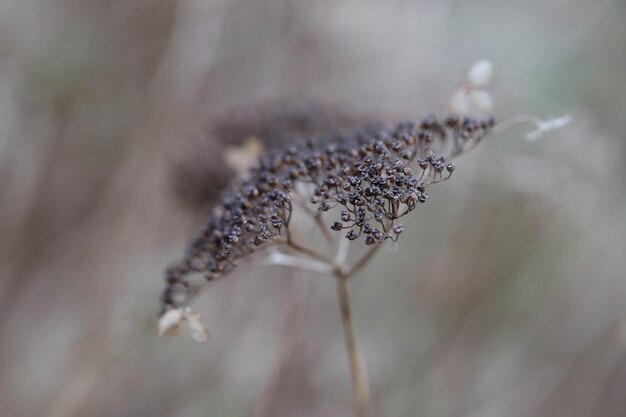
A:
[481, 100]
[198, 326]
[480, 73]
[459, 103]
[547, 126]
[170, 322]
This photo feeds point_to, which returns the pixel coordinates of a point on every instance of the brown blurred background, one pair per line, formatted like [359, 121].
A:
[505, 297]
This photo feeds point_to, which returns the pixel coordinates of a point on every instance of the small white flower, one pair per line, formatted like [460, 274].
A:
[481, 100]
[471, 98]
[459, 103]
[547, 126]
[479, 75]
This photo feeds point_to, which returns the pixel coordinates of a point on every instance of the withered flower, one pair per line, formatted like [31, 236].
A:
[367, 179]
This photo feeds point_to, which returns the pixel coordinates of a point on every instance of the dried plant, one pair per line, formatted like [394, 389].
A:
[367, 180]
[353, 185]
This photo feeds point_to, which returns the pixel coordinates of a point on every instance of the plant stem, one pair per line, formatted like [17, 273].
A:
[360, 384]
[306, 251]
[363, 260]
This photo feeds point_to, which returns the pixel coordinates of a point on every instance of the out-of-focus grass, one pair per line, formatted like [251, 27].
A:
[505, 295]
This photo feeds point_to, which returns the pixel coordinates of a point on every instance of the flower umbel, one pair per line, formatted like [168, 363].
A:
[366, 180]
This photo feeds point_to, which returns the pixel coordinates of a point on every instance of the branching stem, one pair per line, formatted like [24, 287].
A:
[323, 228]
[312, 260]
[306, 251]
[363, 260]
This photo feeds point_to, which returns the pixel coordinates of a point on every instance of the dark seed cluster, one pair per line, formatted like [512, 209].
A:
[366, 180]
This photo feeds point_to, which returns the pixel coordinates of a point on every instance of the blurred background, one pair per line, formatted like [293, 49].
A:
[505, 297]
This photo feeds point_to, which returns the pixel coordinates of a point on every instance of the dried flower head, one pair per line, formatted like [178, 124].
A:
[366, 179]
